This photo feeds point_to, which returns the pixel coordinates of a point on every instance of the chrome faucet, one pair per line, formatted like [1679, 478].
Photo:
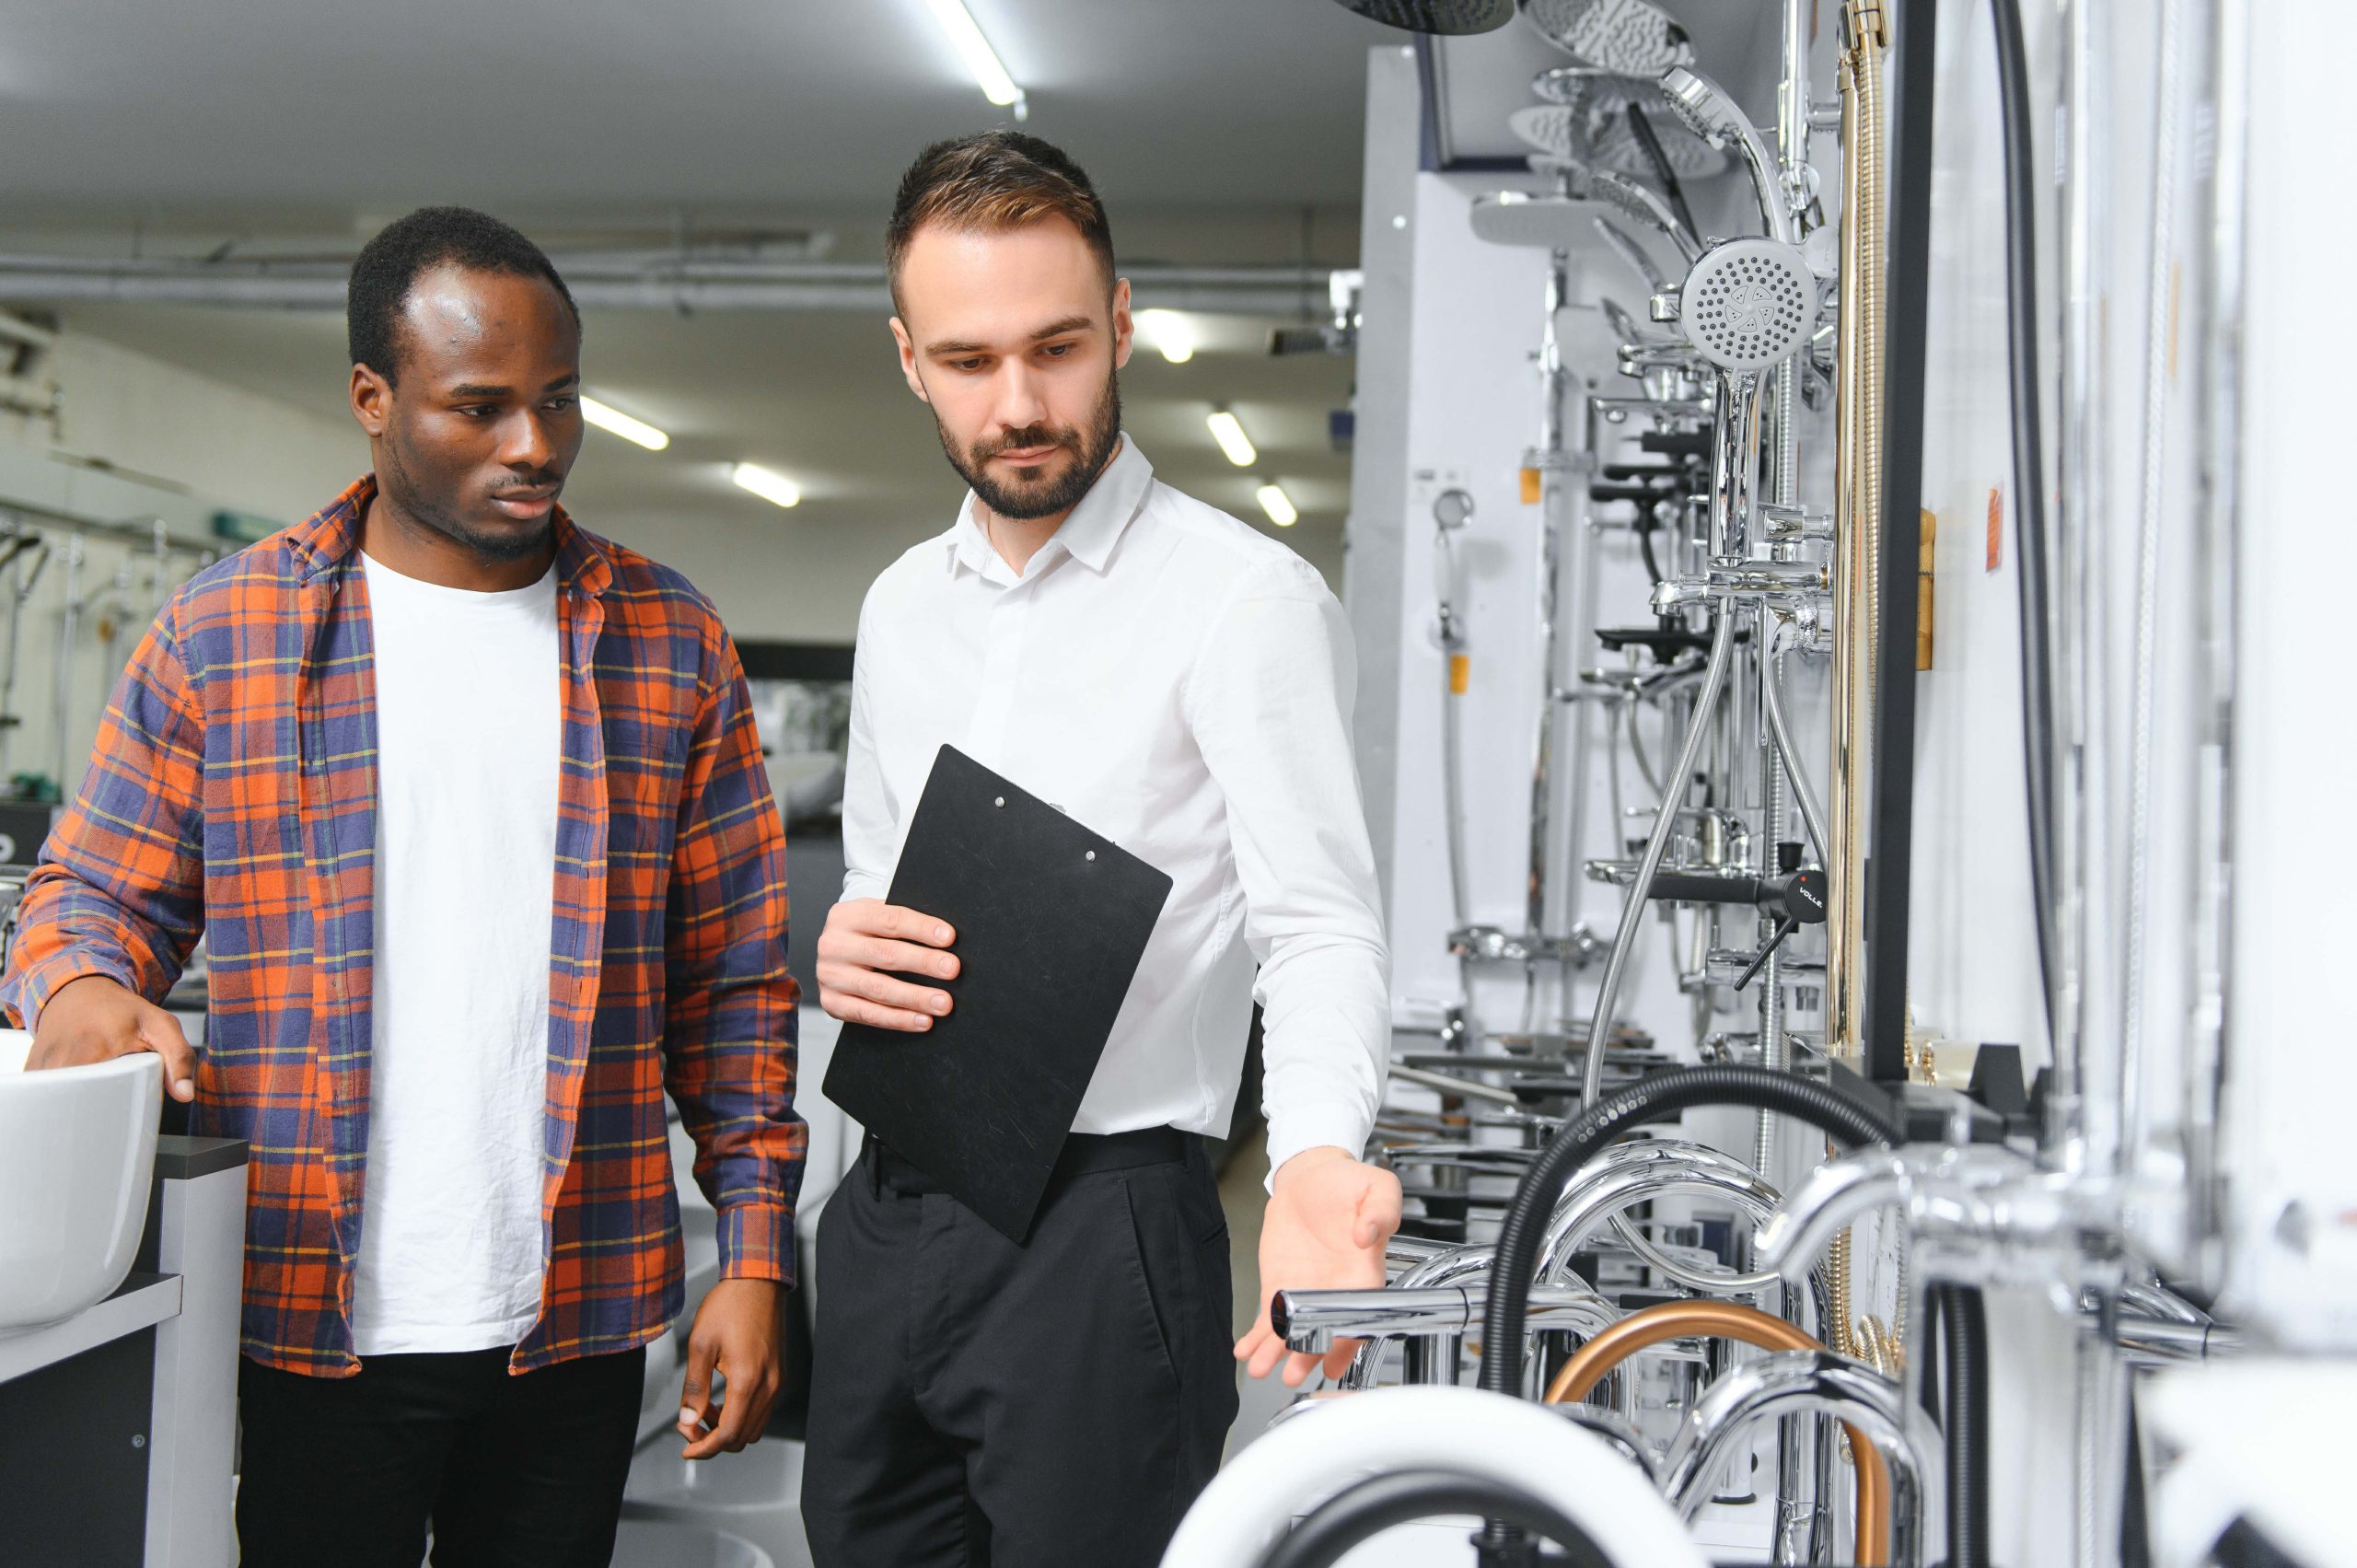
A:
[1790, 1382]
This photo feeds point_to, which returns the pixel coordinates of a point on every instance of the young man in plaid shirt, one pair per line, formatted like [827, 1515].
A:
[469, 807]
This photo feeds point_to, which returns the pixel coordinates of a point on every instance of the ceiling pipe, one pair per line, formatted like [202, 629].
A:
[685, 287]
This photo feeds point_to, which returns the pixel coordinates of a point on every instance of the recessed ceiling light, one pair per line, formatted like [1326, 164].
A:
[606, 417]
[1170, 332]
[1228, 431]
[1278, 505]
[766, 484]
[966, 37]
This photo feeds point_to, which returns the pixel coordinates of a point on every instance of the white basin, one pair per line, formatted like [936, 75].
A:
[639, 1544]
[77, 1152]
[756, 1495]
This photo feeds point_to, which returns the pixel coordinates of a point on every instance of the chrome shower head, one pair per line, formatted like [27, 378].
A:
[1709, 112]
[1636, 201]
[1446, 17]
[1545, 223]
[1585, 117]
[1633, 36]
[1701, 103]
[1748, 303]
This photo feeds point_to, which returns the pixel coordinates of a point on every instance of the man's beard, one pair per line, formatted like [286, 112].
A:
[440, 515]
[1042, 495]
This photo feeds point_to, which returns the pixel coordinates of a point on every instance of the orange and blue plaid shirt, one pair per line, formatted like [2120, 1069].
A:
[232, 794]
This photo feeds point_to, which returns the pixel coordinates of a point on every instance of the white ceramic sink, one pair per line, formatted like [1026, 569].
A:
[77, 1152]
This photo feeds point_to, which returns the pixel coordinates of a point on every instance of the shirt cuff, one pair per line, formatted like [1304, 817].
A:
[30, 992]
[1318, 1127]
[757, 1242]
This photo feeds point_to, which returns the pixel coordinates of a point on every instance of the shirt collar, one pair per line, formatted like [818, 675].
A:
[331, 537]
[1088, 534]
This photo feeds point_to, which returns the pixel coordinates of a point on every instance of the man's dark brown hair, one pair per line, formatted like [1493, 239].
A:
[990, 183]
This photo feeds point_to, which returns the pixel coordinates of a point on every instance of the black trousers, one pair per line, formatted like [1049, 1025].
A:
[975, 1403]
[513, 1471]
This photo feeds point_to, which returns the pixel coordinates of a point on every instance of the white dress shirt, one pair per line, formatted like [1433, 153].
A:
[1182, 685]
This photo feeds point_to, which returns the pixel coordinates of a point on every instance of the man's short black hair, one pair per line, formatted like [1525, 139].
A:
[388, 266]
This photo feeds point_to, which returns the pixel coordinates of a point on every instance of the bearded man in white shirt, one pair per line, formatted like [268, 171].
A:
[1181, 684]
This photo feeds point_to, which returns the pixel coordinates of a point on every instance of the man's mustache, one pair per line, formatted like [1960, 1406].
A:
[1030, 436]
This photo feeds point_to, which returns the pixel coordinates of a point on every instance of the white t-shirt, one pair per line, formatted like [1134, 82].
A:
[468, 732]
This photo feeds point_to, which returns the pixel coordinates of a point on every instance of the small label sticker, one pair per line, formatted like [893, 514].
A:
[1460, 673]
[1996, 528]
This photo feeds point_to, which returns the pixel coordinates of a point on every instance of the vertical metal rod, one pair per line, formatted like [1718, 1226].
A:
[1549, 463]
[2217, 536]
[2085, 1130]
[1857, 505]
[1575, 703]
[1792, 103]
[2160, 374]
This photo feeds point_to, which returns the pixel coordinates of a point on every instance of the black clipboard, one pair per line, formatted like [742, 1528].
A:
[1051, 920]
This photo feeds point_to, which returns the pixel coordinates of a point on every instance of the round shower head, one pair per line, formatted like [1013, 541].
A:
[1635, 38]
[1748, 303]
[1437, 16]
[1589, 124]
[1636, 201]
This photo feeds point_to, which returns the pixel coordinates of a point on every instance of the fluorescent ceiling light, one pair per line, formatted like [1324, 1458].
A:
[1278, 505]
[1169, 331]
[614, 420]
[766, 484]
[967, 38]
[1228, 431]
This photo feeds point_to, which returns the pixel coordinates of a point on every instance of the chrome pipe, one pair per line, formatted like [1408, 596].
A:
[1408, 1251]
[1476, 1157]
[1835, 1196]
[1463, 1088]
[1311, 1320]
[1793, 1382]
[1633, 911]
[1442, 1268]
[1628, 1174]
[2161, 307]
[1787, 633]
[1617, 1430]
[1792, 105]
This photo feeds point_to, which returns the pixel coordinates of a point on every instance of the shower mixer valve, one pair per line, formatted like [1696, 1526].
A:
[1751, 579]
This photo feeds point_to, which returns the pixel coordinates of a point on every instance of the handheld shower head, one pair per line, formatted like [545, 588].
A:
[1633, 36]
[1636, 201]
[1445, 17]
[1708, 111]
[1748, 303]
[1746, 306]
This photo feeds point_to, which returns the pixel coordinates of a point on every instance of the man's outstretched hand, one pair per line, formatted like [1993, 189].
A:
[1327, 1219]
[97, 1019]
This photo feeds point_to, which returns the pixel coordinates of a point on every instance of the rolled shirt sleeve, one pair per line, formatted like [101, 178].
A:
[120, 888]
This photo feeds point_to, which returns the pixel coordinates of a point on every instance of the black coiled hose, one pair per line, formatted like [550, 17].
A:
[1359, 1513]
[1517, 1257]
[1964, 1346]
